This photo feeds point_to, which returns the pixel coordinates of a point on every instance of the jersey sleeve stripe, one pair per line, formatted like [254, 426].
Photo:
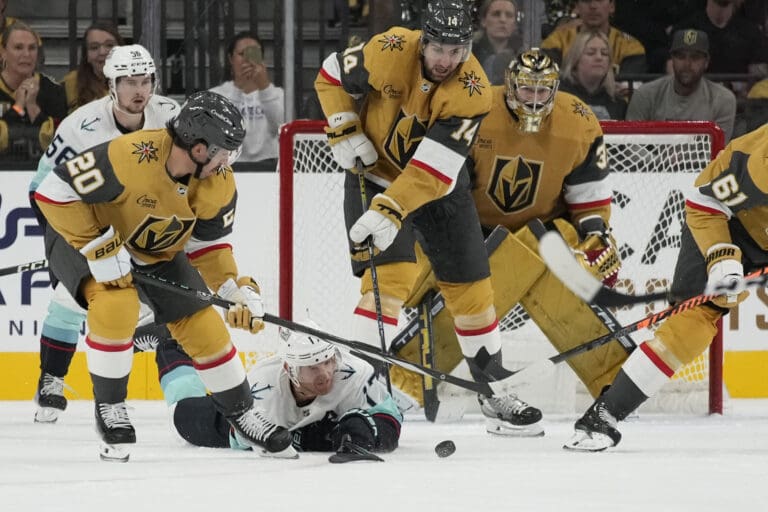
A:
[589, 205]
[330, 69]
[708, 205]
[196, 253]
[439, 160]
[40, 197]
[591, 192]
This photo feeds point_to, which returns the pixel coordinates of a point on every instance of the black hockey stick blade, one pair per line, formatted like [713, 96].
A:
[351, 452]
[24, 267]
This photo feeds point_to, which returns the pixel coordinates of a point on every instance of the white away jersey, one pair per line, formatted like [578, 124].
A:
[355, 386]
[93, 124]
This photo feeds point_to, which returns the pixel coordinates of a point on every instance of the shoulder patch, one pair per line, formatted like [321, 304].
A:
[391, 42]
[472, 82]
[145, 150]
[581, 109]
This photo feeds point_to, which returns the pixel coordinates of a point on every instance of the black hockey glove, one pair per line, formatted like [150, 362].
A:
[316, 437]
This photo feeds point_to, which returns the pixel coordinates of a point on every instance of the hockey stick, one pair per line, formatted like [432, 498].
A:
[357, 348]
[559, 258]
[32, 265]
[374, 275]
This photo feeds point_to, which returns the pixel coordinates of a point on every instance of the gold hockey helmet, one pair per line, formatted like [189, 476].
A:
[532, 80]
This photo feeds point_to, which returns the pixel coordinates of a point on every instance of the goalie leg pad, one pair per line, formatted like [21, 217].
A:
[685, 336]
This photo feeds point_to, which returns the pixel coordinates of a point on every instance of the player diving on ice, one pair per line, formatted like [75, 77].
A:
[329, 400]
[424, 96]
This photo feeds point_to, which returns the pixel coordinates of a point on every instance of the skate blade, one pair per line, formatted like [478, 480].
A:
[288, 453]
[586, 442]
[505, 429]
[114, 452]
[46, 415]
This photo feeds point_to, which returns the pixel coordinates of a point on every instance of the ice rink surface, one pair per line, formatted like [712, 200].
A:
[665, 463]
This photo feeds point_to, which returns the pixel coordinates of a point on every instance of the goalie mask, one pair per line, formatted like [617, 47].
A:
[448, 22]
[532, 80]
[309, 361]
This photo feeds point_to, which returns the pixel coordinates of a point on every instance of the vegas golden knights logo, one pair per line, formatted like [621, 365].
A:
[156, 234]
[514, 183]
[404, 138]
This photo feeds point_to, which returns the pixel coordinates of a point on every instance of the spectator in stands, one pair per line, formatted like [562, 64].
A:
[499, 38]
[31, 104]
[628, 54]
[587, 72]
[686, 95]
[258, 99]
[86, 82]
[736, 43]
[756, 106]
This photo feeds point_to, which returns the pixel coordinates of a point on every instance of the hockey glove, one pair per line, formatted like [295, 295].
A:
[348, 142]
[360, 426]
[108, 259]
[597, 250]
[724, 268]
[248, 310]
[382, 221]
[316, 437]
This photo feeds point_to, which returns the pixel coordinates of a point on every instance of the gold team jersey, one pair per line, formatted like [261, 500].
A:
[561, 169]
[734, 183]
[124, 184]
[622, 45]
[422, 130]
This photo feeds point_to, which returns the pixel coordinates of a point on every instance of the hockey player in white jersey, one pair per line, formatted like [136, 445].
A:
[131, 105]
[330, 401]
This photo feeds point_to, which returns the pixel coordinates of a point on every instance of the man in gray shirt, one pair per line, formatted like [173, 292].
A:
[685, 95]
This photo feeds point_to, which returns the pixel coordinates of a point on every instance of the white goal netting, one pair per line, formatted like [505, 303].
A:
[652, 164]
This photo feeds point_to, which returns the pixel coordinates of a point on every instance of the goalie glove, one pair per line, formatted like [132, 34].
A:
[724, 268]
[597, 250]
[348, 142]
[381, 222]
[248, 311]
[108, 259]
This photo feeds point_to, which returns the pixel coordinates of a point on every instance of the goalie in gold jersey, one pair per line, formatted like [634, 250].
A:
[424, 96]
[539, 154]
[171, 194]
[724, 235]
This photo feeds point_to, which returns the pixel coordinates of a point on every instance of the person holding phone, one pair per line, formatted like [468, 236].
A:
[258, 99]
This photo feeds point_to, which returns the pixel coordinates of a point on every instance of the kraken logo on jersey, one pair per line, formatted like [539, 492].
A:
[472, 82]
[392, 42]
[146, 151]
[514, 183]
[404, 138]
[156, 234]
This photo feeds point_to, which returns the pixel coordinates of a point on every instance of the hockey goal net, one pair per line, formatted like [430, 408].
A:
[652, 163]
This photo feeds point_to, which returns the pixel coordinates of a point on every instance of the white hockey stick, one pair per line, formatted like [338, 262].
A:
[560, 260]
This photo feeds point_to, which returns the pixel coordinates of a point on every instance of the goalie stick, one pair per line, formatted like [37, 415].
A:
[357, 348]
[559, 258]
[24, 267]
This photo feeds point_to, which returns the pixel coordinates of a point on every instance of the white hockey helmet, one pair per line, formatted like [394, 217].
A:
[129, 60]
[299, 349]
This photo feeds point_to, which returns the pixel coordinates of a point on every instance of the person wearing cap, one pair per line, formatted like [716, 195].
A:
[685, 95]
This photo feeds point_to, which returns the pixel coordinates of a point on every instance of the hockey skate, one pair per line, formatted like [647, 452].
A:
[253, 430]
[116, 431]
[510, 416]
[595, 431]
[49, 398]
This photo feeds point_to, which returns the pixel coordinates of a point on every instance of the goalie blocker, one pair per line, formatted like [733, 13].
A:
[518, 276]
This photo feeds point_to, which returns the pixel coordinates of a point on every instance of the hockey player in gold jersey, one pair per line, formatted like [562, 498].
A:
[163, 201]
[424, 96]
[724, 235]
[538, 154]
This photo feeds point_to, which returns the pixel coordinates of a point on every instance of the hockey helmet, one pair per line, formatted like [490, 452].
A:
[299, 350]
[130, 60]
[448, 22]
[212, 119]
[532, 80]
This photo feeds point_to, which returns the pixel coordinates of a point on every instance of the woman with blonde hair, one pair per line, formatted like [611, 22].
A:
[588, 73]
[31, 104]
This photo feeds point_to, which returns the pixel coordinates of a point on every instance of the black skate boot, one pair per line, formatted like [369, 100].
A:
[253, 429]
[595, 431]
[510, 416]
[116, 432]
[49, 398]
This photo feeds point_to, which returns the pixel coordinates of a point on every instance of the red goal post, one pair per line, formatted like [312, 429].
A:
[651, 163]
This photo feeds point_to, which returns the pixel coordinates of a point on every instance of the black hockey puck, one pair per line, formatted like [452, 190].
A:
[445, 448]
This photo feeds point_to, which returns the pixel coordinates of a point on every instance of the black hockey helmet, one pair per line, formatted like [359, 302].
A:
[448, 21]
[210, 118]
